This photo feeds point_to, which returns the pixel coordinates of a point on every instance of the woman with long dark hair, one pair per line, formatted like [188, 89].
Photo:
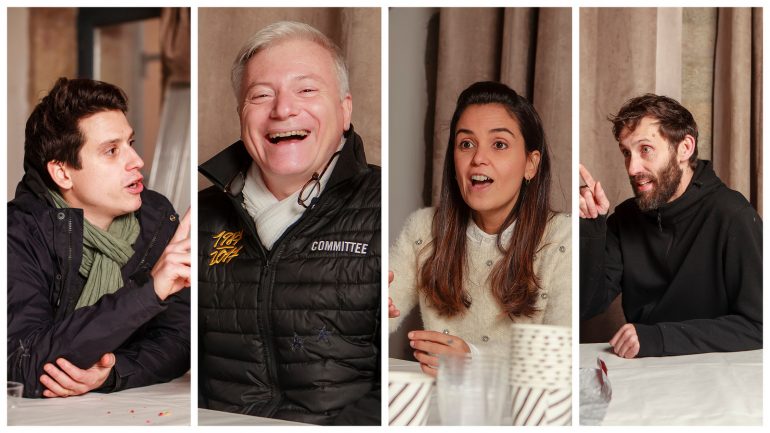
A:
[492, 253]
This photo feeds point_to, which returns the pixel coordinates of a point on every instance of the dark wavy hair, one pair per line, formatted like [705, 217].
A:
[513, 280]
[53, 132]
[674, 120]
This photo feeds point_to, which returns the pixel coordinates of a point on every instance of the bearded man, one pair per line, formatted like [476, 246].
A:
[686, 252]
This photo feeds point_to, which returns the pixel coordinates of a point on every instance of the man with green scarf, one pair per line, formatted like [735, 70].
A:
[97, 264]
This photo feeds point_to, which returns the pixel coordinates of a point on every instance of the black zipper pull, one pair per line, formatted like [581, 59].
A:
[660, 223]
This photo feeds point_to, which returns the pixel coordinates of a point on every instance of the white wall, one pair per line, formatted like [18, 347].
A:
[408, 104]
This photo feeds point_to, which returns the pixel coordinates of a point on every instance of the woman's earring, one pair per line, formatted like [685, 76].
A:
[526, 181]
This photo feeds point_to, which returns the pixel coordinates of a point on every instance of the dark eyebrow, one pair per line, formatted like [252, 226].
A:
[502, 130]
[116, 140]
[469, 132]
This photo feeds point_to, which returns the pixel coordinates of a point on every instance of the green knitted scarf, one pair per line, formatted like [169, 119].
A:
[104, 254]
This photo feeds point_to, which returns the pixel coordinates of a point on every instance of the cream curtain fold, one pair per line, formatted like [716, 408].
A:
[737, 101]
[175, 45]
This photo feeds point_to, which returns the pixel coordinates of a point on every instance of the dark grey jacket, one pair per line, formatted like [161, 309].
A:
[150, 338]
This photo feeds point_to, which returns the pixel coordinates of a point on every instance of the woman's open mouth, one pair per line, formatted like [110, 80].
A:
[481, 180]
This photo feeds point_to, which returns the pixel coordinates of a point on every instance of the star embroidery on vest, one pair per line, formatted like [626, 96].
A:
[323, 335]
[297, 343]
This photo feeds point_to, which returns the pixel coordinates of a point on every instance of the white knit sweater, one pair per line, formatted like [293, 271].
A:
[484, 323]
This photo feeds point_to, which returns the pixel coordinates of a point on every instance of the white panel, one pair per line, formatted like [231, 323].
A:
[170, 174]
[668, 58]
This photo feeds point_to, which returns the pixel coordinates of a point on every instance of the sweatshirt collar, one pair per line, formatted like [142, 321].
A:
[703, 181]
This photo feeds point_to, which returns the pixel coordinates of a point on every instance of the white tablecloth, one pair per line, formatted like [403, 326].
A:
[162, 404]
[401, 365]
[705, 389]
[214, 417]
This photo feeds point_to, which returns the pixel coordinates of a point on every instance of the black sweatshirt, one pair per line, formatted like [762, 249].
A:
[690, 272]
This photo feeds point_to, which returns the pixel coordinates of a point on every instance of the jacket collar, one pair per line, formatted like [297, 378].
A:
[32, 187]
[227, 169]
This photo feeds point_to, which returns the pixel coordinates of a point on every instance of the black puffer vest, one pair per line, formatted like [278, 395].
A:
[294, 332]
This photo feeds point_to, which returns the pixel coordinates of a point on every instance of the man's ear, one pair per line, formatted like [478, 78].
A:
[685, 148]
[347, 111]
[60, 173]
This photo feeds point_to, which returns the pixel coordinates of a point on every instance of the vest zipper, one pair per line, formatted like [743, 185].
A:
[264, 308]
[267, 332]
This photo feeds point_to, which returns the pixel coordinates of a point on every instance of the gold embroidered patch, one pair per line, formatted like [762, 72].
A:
[226, 247]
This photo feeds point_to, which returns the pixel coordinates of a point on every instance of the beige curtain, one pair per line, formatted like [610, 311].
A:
[708, 59]
[737, 101]
[175, 45]
[527, 48]
[222, 31]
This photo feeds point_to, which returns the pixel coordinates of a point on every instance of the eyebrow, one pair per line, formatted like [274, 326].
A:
[315, 77]
[469, 132]
[640, 140]
[115, 140]
[307, 77]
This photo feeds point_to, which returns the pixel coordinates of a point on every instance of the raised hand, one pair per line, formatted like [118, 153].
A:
[392, 310]
[593, 201]
[172, 271]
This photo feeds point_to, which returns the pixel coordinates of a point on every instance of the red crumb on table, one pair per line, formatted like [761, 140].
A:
[131, 411]
[164, 413]
[109, 412]
[147, 421]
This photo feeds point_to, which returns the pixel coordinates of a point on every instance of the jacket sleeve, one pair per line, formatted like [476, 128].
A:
[36, 338]
[601, 265]
[741, 328]
[159, 351]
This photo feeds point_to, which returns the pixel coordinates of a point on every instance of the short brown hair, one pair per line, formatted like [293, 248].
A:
[675, 121]
[53, 133]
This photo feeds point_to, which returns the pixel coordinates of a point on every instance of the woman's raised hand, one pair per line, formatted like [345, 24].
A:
[392, 310]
